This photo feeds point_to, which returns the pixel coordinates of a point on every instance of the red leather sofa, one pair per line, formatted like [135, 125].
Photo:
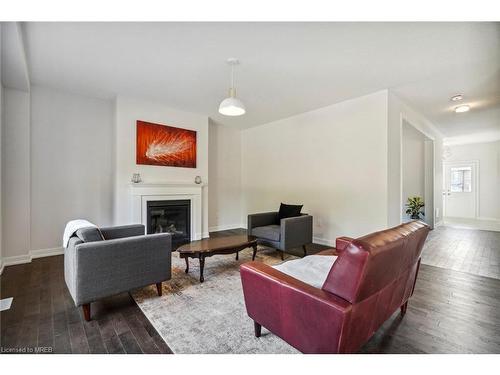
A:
[373, 276]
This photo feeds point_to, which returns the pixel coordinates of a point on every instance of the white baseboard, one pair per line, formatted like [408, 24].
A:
[323, 241]
[27, 258]
[489, 218]
[219, 228]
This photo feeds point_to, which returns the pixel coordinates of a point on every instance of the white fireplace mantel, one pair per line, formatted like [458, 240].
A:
[142, 193]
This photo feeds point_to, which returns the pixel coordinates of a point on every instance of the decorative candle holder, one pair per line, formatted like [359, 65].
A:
[136, 178]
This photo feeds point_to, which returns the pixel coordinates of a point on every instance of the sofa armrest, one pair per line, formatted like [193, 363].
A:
[296, 231]
[111, 233]
[109, 267]
[261, 219]
[341, 243]
[308, 318]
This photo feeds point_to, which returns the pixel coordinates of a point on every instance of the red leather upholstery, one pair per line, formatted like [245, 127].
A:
[341, 243]
[373, 276]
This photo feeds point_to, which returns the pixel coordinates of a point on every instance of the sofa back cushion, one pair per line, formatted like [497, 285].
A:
[90, 234]
[372, 262]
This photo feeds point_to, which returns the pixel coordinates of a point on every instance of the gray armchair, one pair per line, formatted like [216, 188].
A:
[126, 259]
[284, 234]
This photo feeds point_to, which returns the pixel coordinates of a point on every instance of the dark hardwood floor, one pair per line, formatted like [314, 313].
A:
[450, 312]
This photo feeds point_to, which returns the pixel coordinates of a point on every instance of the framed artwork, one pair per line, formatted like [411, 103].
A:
[165, 145]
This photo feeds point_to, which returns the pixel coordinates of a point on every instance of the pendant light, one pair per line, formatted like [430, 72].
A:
[232, 106]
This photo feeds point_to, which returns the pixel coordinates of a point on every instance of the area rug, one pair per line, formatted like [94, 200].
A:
[208, 317]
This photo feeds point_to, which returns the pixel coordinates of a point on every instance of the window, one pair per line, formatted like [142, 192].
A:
[460, 180]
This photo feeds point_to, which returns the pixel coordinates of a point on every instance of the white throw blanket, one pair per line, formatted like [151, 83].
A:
[72, 226]
[312, 270]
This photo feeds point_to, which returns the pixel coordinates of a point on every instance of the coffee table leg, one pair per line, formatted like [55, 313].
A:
[237, 255]
[187, 264]
[254, 252]
[202, 265]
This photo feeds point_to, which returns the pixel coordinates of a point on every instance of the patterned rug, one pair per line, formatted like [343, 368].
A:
[208, 317]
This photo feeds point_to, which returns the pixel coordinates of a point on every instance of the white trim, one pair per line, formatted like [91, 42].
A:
[323, 241]
[46, 252]
[219, 228]
[27, 258]
[488, 218]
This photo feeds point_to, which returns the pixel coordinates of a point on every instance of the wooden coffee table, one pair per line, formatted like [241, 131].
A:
[213, 246]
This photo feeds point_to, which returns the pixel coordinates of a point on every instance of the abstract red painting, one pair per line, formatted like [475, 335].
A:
[165, 145]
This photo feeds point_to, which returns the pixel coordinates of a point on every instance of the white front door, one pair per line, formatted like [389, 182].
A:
[460, 189]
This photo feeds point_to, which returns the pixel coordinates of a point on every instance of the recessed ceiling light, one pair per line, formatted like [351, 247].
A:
[456, 98]
[462, 108]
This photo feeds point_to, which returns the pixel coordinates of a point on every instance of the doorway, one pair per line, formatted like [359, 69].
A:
[417, 170]
[461, 187]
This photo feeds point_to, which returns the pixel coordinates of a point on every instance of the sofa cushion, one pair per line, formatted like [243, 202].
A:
[90, 234]
[289, 210]
[312, 270]
[268, 232]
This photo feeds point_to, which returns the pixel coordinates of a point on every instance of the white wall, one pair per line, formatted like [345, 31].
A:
[224, 168]
[128, 111]
[398, 111]
[413, 164]
[333, 160]
[488, 155]
[71, 163]
[16, 173]
[1, 157]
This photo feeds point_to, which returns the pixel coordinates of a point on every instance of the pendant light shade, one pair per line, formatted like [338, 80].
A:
[232, 106]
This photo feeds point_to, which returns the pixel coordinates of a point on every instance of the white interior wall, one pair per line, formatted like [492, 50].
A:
[332, 160]
[398, 111]
[16, 173]
[71, 163]
[488, 155]
[224, 168]
[128, 111]
[1, 148]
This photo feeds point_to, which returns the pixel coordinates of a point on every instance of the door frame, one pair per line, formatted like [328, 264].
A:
[475, 163]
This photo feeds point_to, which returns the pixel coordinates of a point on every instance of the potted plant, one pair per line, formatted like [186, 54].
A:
[414, 206]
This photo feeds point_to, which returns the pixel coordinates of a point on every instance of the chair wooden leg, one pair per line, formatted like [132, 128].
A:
[158, 288]
[257, 328]
[404, 307]
[282, 254]
[86, 311]
[305, 250]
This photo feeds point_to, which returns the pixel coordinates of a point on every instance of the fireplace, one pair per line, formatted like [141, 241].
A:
[170, 216]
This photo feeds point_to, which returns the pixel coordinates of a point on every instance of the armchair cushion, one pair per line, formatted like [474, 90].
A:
[289, 210]
[312, 270]
[268, 232]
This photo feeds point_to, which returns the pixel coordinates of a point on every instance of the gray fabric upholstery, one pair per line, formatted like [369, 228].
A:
[95, 270]
[89, 234]
[294, 231]
[262, 219]
[268, 232]
[111, 233]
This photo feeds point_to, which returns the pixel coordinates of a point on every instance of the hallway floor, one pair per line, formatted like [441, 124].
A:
[465, 250]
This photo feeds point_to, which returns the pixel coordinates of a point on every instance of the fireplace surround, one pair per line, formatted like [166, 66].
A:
[170, 216]
[143, 193]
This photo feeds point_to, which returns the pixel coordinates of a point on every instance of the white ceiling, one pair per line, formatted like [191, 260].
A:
[286, 68]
